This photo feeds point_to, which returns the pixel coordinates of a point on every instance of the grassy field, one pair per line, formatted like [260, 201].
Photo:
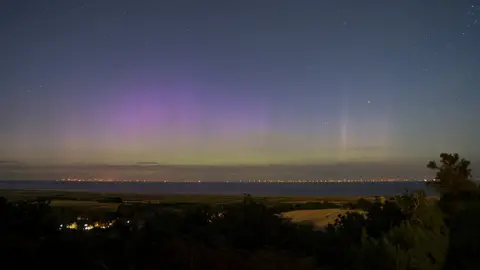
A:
[319, 218]
[15, 195]
[86, 205]
[90, 202]
[84, 201]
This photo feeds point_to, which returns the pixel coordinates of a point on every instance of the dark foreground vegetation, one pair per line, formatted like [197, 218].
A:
[404, 232]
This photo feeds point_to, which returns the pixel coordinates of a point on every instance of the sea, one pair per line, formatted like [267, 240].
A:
[224, 188]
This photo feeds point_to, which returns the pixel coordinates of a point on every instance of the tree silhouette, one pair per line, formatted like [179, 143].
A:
[418, 242]
[465, 238]
[453, 174]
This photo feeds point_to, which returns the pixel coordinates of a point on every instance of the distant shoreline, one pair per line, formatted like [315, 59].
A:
[329, 181]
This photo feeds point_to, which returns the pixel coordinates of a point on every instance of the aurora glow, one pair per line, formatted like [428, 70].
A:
[238, 82]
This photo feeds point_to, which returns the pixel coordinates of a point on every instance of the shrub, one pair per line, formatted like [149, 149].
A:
[419, 243]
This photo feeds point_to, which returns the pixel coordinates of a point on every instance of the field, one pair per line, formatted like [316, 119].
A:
[15, 195]
[91, 206]
[90, 202]
[319, 218]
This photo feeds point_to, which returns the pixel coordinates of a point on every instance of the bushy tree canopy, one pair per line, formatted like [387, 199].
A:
[453, 174]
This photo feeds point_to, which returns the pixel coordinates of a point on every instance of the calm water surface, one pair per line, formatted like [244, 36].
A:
[280, 189]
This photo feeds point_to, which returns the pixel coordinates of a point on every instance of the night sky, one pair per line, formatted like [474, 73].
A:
[238, 82]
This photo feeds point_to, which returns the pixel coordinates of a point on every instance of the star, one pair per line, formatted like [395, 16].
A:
[368, 102]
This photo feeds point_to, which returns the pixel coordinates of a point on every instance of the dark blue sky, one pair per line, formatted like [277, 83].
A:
[238, 82]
